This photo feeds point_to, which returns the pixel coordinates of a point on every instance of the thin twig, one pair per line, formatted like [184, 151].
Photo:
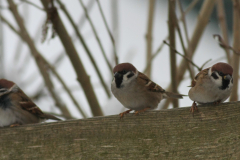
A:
[106, 88]
[155, 54]
[193, 3]
[32, 4]
[189, 8]
[1, 46]
[223, 27]
[80, 24]
[64, 86]
[181, 40]
[223, 44]
[25, 37]
[114, 10]
[236, 42]
[149, 35]
[96, 36]
[203, 19]
[79, 69]
[172, 39]
[109, 32]
[185, 57]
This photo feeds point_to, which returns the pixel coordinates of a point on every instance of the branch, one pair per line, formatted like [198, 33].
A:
[173, 63]
[187, 59]
[96, 36]
[223, 27]
[236, 42]
[154, 55]
[203, 19]
[191, 71]
[223, 44]
[64, 86]
[32, 4]
[109, 32]
[82, 76]
[105, 87]
[149, 35]
[35, 53]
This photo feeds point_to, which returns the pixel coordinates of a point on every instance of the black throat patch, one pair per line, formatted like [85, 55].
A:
[5, 101]
[225, 84]
[118, 81]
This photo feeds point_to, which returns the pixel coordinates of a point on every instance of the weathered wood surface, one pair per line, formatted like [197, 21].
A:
[213, 133]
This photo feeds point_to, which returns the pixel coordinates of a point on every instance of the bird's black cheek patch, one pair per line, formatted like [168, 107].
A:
[118, 81]
[130, 75]
[214, 75]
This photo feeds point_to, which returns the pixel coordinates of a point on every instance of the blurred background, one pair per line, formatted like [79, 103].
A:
[61, 53]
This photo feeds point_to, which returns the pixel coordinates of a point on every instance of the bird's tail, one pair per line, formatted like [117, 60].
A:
[173, 95]
[49, 116]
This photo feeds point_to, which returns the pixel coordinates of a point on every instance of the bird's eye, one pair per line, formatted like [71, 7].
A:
[220, 73]
[124, 72]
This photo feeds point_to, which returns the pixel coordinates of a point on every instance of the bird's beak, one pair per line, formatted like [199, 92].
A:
[117, 75]
[227, 77]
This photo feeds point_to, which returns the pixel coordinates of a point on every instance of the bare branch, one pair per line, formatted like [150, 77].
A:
[223, 44]
[149, 35]
[155, 54]
[191, 71]
[236, 42]
[109, 32]
[173, 63]
[203, 19]
[186, 58]
[96, 36]
[105, 87]
[64, 86]
[32, 4]
[25, 37]
[82, 76]
[223, 27]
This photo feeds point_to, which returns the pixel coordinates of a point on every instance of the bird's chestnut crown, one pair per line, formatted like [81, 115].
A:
[222, 68]
[5, 83]
[124, 68]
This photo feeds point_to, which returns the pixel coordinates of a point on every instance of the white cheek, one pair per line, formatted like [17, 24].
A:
[218, 81]
[127, 80]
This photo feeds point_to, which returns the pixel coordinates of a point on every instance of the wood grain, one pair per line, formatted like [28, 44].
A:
[213, 133]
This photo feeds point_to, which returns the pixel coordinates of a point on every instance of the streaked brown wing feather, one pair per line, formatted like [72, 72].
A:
[204, 72]
[150, 85]
[29, 106]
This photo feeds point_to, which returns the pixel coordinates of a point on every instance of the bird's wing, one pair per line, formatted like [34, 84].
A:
[150, 85]
[201, 73]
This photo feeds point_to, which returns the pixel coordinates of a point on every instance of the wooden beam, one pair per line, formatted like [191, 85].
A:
[213, 133]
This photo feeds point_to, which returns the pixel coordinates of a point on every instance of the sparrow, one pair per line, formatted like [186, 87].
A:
[135, 90]
[211, 85]
[16, 108]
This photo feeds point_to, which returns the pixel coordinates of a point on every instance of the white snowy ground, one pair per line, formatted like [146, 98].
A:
[131, 48]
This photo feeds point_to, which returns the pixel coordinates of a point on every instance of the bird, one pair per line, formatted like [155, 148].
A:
[211, 85]
[16, 108]
[135, 91]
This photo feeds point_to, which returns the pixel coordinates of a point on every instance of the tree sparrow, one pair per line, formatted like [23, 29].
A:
[16, 108]
[135, 90]
[211, 85]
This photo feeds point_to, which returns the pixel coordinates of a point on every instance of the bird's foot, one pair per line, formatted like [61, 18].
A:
[123, 113]
[194, 107]
[143, 110]
[15, 125]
